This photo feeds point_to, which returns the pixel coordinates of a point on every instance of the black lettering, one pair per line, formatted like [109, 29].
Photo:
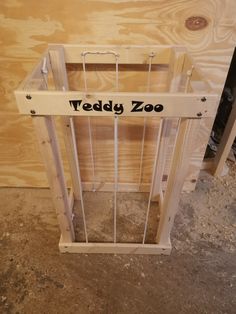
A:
[87, 106]
[108, 106]
[148, 107]
[119, 109]
[158, 108]
[137, 105]
[98, 106]
[75, 104]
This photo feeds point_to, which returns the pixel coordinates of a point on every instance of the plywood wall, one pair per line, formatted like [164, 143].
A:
[26, 27]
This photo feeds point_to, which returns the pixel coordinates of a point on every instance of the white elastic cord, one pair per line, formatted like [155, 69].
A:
[149, 71]
[115, 172]
[145, 120]
[116, 153]
[153, 179]
[44, 71]
[189, 74]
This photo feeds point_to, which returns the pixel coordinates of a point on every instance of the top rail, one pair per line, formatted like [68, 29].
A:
[127, 54]
[33, 99]
[73, 103]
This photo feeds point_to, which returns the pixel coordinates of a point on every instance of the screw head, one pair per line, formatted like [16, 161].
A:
[32, 111]
[199, 114]
[28, 97]
[203, 99]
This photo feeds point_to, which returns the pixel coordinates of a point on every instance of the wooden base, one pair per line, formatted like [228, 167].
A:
[115, 248]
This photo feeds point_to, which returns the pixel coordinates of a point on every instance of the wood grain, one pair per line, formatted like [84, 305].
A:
[26, 30]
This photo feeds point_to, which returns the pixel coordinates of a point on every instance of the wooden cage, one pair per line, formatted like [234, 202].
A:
[158, 86]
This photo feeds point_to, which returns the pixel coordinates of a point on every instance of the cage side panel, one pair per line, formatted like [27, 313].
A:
[132, 78]
[130, 133]
[48, 143]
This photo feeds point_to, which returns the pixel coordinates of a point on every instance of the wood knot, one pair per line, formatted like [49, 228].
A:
[195, 23]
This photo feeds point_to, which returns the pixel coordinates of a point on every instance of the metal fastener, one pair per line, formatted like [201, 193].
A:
[203, 99]
[32, 111]
[199, 114]
[28, 97]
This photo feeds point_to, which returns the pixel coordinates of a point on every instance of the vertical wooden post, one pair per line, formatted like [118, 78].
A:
[57, 60]
[226, 142]
[45, 129]
[174, 77]
[178, 172]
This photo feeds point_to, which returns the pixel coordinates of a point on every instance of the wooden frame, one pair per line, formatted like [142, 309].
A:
[189, 99]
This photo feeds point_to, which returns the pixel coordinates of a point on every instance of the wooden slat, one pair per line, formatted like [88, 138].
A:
[175, 75]
[115, 248]
[162, 156]
[174, 105]
[71, 201]
[226, 142]
[45, 129]
[178, 172]
[61, 83]
[127, 54]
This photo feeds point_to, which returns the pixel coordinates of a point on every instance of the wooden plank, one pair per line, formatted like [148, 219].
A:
[226, 142]
[162, 156]
[57, 60]
[175, 75]
[115, 248]
[178, 172]
[45, 129]
[71, 201]
[155, 22]
[127, 54]
[72, 104]
[177, 60]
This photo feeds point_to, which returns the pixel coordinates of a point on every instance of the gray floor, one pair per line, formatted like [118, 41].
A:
[199, 276]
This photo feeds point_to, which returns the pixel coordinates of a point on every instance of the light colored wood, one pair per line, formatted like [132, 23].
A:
[126, 54]
[177, 60]
[175, 71]
[115, 248]
[196, 75]
[26, 31]
[57, 61]
[207, 164]
[226, 143]
[45, 130]
[124, 175]
[162, 154]
[71, 201]
[178, 172]
[60, 104]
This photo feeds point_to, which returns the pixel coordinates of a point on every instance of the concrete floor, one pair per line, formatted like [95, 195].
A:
[199, 276]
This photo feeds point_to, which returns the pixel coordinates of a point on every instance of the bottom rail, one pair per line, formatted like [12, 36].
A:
[115, 248]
